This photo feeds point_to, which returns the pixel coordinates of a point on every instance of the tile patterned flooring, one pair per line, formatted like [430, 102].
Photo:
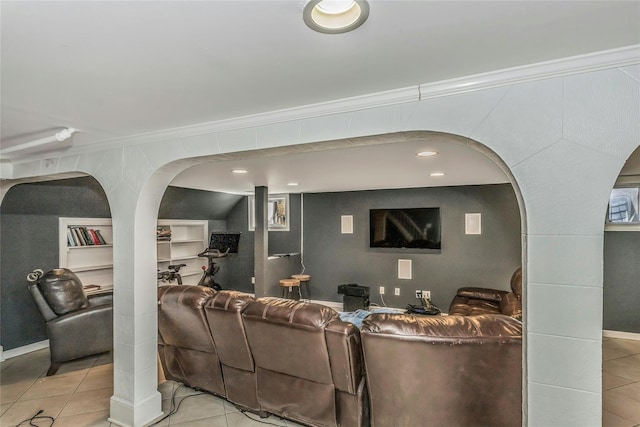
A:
[78, 395]
[620, 382]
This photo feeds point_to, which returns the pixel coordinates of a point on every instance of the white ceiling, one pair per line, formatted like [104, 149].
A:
[115, 69]
[389, 165]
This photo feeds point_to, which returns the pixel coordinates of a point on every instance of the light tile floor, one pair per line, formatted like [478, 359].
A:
[78, 395]
[620, 383]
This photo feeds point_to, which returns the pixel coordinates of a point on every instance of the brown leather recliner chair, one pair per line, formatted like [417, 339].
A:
[308, 363]
[224, 316]
[78, 326]
[186, 349]
[443, 370]
[473, 301]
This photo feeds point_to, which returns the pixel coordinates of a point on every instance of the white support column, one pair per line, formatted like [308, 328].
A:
[136, 400]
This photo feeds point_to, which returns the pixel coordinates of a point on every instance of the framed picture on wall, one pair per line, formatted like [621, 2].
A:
[277, 212]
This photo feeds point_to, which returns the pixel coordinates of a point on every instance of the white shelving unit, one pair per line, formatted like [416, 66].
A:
[188, 239]
[92, 263]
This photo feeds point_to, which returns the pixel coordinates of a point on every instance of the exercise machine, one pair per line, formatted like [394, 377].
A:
[220, 245]
[212, 268]
[172, 273]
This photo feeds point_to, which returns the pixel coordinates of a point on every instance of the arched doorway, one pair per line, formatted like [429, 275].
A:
[325, 206]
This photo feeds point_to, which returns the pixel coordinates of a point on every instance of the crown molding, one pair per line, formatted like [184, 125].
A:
[344, 105]
[614, 58]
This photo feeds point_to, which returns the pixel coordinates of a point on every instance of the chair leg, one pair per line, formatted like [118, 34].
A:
[53, 369]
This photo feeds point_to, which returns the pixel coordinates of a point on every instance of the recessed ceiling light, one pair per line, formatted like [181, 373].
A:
[436, 174]
[426, 153]
[239, 171]
[335, 16]
[292, 184]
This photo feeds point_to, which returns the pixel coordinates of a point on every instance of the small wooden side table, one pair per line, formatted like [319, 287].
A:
[287, 286]
[304, 281]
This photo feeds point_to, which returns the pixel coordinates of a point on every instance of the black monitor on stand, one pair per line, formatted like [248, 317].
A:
[224, 241]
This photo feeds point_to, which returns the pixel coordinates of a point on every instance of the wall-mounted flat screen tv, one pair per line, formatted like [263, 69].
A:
[415, 228]
[224, 241]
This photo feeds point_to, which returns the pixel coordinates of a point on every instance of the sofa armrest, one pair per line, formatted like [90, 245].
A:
[482, 293]
[100, 298]
[92, 326]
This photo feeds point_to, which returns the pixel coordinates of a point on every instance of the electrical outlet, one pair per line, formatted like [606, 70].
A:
[381, 290]
[253, 280]
[418, 294]
[396, 291]
[426, 294]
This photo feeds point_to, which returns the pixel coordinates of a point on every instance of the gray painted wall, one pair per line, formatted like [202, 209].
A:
[29, 224]
[621, 281]
[486, 260]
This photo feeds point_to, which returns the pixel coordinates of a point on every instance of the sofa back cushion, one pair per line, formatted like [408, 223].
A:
[224, 316]
[181, 319]
[443, 370]
[288, 337]
[516, 282]
[62, 290]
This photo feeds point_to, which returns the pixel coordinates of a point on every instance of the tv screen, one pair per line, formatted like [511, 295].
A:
[224, 241]
[417, 228]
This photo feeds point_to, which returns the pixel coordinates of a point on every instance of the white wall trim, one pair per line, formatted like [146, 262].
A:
[629, 55]
[621, 335]
[19, 351]
[142, 414]
[373, 100]
[621, 227]
[543, 70]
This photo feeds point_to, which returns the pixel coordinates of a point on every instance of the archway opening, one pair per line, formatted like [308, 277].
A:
[485, 260]
[35, 217]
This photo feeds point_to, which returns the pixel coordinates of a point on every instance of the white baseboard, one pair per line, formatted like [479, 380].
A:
[19, 351]
[621, 335]
[337, 306]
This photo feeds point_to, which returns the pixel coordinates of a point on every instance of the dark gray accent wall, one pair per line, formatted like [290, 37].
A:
[29, 229]
[621, 291]
[187, 203]
[240, 267]
[486, 260]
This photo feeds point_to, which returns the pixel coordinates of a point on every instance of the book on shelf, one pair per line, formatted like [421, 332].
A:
[99, 237]
[91, 287]
[83, 236]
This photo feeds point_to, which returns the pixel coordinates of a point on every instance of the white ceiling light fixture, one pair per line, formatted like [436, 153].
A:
[436, 174]
[335, 16]
[239, 171]
[426, 153]
[41, 143]
[292, 184]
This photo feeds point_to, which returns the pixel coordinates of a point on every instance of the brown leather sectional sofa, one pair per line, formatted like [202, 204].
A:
[443, 370]
[269, 355]
[474, 301]
[299, 361]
